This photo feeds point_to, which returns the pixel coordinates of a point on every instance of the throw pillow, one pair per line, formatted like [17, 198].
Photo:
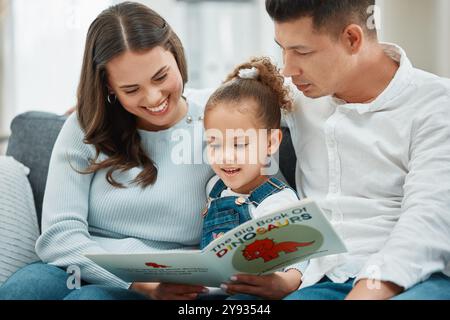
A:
[18, 223]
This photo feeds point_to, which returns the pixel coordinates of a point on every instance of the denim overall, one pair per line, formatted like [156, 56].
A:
[226, 213]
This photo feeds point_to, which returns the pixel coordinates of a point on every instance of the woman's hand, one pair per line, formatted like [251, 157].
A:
[274, 286]
[70, 111]
[168, 291]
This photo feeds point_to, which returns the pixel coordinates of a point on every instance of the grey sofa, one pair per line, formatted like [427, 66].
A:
[33, 136]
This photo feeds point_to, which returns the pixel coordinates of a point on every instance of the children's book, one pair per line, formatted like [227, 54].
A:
[289, 235]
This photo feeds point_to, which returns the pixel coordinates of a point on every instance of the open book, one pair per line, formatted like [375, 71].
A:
[292, 234]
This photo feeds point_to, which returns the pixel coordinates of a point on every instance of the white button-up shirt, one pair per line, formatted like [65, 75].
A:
[381, 173]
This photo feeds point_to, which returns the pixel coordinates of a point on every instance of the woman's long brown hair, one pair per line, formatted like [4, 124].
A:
[108, 126]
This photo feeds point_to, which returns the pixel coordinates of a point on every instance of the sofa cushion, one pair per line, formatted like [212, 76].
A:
[33, 135]
[288, 159]
[18, 224]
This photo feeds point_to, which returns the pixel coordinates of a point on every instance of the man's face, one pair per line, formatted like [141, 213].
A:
[317, 63]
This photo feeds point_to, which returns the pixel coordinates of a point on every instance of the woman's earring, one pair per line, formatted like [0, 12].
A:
[109, 99]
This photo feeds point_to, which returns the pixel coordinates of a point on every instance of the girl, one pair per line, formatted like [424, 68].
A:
[242, 122]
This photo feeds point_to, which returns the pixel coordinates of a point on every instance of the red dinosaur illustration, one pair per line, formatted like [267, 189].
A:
[268, 250]
[156, 266]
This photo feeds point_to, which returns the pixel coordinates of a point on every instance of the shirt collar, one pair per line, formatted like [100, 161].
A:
[401, 80]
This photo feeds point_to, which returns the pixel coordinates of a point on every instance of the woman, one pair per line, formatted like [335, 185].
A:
[113, 185]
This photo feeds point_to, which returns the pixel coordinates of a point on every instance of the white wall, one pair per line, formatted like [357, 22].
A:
[443, 49]
[421, 27]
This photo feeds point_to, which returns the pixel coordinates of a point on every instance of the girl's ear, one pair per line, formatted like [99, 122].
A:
[275, 138]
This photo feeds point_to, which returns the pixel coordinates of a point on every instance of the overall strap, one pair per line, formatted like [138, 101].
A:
[217, 190]
[270, 187]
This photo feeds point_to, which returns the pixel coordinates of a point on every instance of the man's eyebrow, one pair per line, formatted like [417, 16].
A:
[292, 47]
[154, 77]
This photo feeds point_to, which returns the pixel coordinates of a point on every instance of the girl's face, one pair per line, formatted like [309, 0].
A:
[149, 85]
[239, 148]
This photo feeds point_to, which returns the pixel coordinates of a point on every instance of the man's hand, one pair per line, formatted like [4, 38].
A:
[269, 287]
[168, 291]
[370, 290]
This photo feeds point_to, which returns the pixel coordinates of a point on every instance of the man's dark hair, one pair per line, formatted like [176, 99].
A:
[332, 16]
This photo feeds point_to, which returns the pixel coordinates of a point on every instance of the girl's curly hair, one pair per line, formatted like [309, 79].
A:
[267, 90]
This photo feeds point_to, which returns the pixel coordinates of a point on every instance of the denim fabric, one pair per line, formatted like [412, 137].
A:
[40, 281]
[437, 287]
[225, 214]
[324, 290]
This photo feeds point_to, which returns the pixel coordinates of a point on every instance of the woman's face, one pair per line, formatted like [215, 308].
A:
[149, 85]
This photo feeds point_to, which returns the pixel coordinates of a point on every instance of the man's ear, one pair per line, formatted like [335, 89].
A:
[353, 38]
[274, 143]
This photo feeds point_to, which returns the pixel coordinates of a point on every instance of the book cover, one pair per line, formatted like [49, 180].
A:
[289, 235]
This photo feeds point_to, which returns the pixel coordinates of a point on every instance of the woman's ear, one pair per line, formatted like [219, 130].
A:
[110, 89]
[275, 138]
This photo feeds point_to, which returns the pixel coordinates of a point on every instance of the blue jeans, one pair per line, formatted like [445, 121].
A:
[437, 287]
[40, 281]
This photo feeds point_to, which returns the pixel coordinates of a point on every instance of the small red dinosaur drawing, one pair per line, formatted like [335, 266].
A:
[268, 250]
[156, 266]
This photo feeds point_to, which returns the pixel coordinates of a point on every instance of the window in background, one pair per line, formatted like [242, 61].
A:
[218, 35]
[44, 42]
[43, 45]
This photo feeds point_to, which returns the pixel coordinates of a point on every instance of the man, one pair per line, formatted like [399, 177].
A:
[372, 138]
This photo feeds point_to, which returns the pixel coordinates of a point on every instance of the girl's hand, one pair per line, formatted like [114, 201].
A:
[269, 287]
[168, 291]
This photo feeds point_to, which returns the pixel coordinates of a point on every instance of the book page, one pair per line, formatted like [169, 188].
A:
[292, 234]
[187, 267]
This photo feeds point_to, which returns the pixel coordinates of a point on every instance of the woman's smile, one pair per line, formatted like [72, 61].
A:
[160, 110]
